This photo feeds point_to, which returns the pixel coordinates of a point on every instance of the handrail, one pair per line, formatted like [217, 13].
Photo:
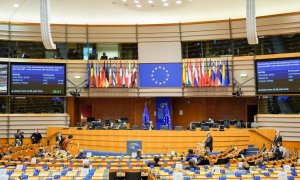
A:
[257, 132]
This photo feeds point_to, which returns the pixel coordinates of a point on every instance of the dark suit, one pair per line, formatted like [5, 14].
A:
[155, 164]
[19, 136]
[59, 139]
[36, 138]
[209, 143]
[278, 139]
[192, 167]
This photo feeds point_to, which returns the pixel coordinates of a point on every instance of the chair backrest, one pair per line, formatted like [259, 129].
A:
[164, 127]
[113, 175]
[178, 128]
[135, 127]
[204, 128]
[133, 175]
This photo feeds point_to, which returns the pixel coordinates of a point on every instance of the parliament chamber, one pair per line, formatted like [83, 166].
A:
[142, 89]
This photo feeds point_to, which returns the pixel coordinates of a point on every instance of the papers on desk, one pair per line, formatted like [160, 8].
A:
[3, 172]
[89, 154]
[19, 167]
[240, 164]
[63, 152]
[133, 154]
[4, 177]
[282, 175]
[33, 160]
[286, 168]
[84, 171]
[86, 161]
[178, 166]
[177, 176]
[195, 159]
[216, 169]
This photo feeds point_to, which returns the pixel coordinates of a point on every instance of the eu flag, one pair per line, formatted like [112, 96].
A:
[160, 75]
[146, 118]
[167, 117]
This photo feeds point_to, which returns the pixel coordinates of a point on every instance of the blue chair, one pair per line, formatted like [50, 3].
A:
[128, 162]
[222, 171]
[270, 170]
[290, 177]
[170, 172]
[209, 175]
[64, 172]
[238, 174]
[56, 176]
[70, 169]
[151, 166]
[24, 176]
[108, 167]
[161, 168]
[173, 166]
[205, 167]
[266, 174]
[130, 167]
[192, 169]
[222, 178]
[256, 177]
[186, 178]
[197, 172]
[48, 179]
[294, 173]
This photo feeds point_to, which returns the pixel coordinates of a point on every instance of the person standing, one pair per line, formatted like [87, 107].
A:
[209, 142]
[36, 137]
[19, 137]
[58, 139]
[278, 138]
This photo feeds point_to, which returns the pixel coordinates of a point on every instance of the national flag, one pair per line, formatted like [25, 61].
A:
[167, 117]
[134, 76]
[200, 77]
[227, 80]
[213, 74]
[126, 75]
[193, 74]
[110, 74]
[183, 74]
[88, 74]
[220, 73]
[223, 74]
[217, 74]
[145, 118]
[187, 74]
[189, 81]
[106, 75]
[97, 75]
[117, 75]
[101, 75]
[114, 75]
[203, 78]
[196, 78]
[129, 75]
[206, 73]
[121, 75]
[92, 78]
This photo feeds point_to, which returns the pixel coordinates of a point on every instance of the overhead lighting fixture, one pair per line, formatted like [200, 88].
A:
[164, 0]
[16, 5]
[136, 1]
[178, 2]
[244, 75]
[45, 24]
[77, 77]
[150, 1]
[166, 4]
[124, 0]
[138, 5]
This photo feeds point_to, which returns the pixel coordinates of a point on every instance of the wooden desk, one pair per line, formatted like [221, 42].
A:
[156, 141]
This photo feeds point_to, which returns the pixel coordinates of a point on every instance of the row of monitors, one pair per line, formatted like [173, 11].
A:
[273, 76]
[33, 79]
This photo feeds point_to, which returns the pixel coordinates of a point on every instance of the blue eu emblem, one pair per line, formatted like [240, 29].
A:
[160, 75]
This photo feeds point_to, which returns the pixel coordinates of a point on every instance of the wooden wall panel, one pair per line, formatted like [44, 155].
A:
[194, 109]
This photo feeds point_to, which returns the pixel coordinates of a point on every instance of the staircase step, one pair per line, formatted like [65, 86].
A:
[253, 149]
[250, 146]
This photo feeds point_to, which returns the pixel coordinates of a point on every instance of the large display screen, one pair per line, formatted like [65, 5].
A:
[37, 79]
[3, 78]
[278, 76]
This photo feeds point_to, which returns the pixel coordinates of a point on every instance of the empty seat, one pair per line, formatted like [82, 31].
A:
[164, 127]
[178, 128]
[135, 127]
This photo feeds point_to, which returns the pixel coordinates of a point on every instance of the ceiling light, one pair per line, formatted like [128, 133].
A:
[166, 4]
[178, 2]
[164, 0]
[138, 5]
[150, 1]
[124, 0]
[136, 1]
[16, 5]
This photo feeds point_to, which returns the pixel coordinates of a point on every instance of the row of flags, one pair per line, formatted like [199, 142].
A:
[200, 73]
[103, 74]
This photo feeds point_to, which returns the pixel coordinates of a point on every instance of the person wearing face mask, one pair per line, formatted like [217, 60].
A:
[36, 137]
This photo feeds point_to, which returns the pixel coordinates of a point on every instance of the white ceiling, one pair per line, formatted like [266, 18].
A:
[106, 12]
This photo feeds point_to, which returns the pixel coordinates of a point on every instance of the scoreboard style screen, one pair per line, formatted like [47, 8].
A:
[3, 77]
[37, 79]
[278, 76]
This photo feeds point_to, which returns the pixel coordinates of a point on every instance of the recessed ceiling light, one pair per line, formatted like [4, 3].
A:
[150, 1]
[124, 0]
[16, 5]
[166, 4]
[138, 5]
[136, 1]
[178, 2]
[164, 0]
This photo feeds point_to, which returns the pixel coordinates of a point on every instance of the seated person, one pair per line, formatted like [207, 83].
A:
[210, 120]
[192, 165]
[245, 170]
[81, 155]
[207, 152]
[40, 154]
[155, 163]
[226, 124]
[203, 161]
[191, 126]
[139, 154]
[278, 154]
[191, 155]
[1, 154]
[18, 142]
[66, 142]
